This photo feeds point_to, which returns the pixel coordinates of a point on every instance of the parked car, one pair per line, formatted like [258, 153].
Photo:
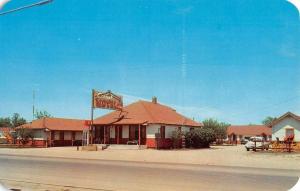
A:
[257, 143]
[244, 141]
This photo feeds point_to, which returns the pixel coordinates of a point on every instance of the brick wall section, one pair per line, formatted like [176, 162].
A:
[164, 143]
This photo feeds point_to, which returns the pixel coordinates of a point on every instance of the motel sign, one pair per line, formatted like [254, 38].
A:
[107, 100]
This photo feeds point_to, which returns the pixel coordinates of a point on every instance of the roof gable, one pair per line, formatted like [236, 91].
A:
[287, 114]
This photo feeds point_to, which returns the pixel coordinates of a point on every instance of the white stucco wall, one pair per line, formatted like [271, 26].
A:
[154, 128]
[279, 129]
[125, 131]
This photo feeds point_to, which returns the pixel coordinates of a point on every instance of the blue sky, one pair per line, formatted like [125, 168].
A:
[236, 60]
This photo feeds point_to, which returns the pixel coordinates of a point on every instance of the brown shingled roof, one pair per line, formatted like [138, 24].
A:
[56, 124]
[249, 130]
[146, 112]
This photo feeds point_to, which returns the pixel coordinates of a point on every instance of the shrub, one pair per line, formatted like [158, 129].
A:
[176, 138]
[199, 138]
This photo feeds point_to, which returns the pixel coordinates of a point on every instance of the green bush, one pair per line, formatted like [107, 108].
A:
[199, 138]
[176, 138]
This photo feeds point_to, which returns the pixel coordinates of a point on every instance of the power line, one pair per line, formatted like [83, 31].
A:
[27, 6]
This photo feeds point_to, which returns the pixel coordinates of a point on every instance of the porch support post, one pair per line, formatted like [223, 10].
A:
[139, 134]
[49, 144]
[104, 134]
[118, 134]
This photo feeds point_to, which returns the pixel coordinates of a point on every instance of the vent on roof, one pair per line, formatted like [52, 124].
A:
[154, 100]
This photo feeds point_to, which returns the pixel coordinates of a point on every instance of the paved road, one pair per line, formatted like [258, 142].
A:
[53, 173]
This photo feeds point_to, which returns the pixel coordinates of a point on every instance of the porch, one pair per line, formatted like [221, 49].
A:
[119, 134]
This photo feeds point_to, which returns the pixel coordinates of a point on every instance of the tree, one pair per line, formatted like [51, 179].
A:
[5, 122]
[17, 120]
[41, 114]
[219, 128]
[268, 120]
[24, 134]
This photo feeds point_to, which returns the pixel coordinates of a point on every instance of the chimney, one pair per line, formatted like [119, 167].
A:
[154, 100]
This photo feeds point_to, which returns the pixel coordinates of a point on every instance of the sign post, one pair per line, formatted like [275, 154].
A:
[92, 118]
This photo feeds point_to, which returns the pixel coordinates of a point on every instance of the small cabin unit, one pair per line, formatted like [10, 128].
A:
[285, 126]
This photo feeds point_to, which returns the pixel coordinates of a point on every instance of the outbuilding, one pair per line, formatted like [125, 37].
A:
[142, 123]
[49, 132]
[286, 125]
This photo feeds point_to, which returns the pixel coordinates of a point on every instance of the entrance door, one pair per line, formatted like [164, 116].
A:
[99, 135]
[106, 134]
[143, 135]
[133, 133]
[234, 138]
[118, 134]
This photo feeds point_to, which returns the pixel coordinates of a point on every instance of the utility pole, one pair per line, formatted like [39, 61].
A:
[33, 101]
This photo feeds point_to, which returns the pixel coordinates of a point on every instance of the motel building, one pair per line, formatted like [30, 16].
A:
[235, 133]
[49, 132]
[143, 123]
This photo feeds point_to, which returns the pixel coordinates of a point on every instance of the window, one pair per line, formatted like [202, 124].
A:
[162, 132]
[56, 135]
[78, 135]
[68, 135]
[38, 134]
[289, 132]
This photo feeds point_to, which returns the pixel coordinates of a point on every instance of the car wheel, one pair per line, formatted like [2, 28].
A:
[248, 149]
